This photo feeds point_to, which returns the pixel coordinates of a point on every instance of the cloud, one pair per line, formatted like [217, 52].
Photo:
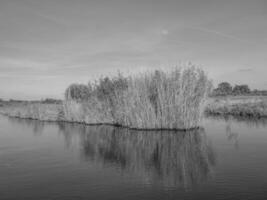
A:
[222, 34]
[245, 70]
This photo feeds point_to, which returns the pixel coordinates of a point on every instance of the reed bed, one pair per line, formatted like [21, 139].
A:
[155, 100]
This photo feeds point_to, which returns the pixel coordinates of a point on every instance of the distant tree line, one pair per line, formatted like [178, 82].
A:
[226, 88]
[51, 101]
[43, 101]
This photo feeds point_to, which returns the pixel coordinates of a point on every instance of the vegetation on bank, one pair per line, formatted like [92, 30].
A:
[250, 107]
[244, 106]
[158, 100]
[38, 111]
[238, 100]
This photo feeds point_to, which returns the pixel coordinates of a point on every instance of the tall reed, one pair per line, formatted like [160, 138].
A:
[157, 100]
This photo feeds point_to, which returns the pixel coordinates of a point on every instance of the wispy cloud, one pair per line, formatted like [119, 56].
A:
[245, 70]
[222, 34]
[52, 19]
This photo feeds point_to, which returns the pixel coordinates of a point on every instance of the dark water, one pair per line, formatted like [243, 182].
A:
[227, 159]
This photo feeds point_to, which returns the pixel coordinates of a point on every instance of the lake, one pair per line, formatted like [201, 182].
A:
[226, 159]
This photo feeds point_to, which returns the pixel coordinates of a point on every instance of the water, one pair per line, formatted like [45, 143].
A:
[227, 159]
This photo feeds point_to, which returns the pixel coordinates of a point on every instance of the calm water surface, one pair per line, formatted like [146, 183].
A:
[227, 159]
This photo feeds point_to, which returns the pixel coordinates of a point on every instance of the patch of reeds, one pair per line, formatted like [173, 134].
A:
[156, 100]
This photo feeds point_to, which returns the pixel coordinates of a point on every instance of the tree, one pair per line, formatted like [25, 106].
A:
[241, 89]
[223, 88]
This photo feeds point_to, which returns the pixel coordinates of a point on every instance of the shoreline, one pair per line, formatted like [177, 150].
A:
[251, 108]
[244, 115]
[206, 116]
[103, 124]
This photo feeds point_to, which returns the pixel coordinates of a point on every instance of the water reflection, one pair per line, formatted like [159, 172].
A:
[167, 157]
[231, 136]
[230, 120]
[35, 125]
[252, 122]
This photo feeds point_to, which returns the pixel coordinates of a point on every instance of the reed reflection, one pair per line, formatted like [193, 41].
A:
[167, 157]
[231, 136]
[36, 126]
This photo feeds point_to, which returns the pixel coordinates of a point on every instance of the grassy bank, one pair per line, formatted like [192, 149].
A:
[44, 112]
[157, 100]
[246, 106]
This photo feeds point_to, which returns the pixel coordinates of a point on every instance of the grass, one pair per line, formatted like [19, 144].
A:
[156, 100]
[38, 111]
[248, 106]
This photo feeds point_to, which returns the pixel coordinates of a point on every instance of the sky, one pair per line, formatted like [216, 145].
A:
[47, 45]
